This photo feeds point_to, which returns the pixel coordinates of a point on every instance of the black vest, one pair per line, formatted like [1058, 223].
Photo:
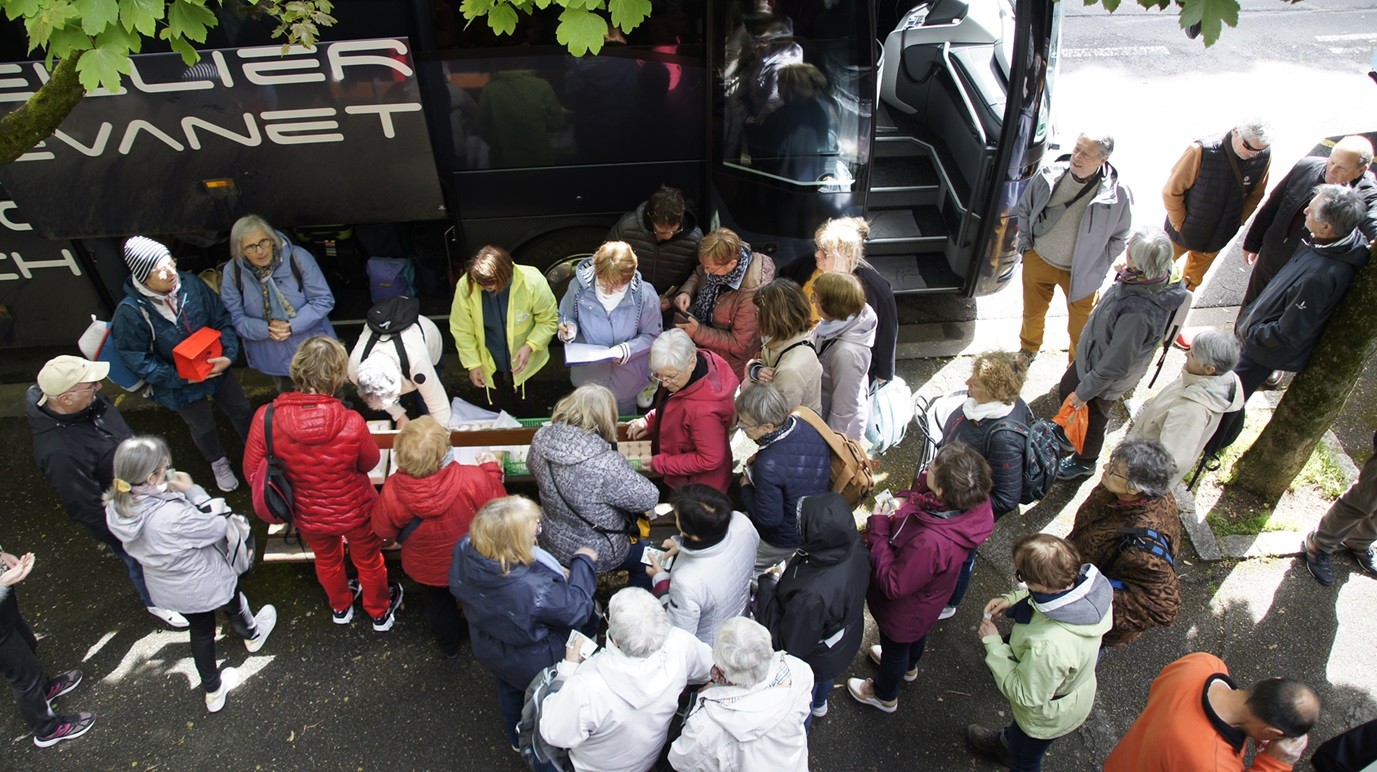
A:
[1214, 203]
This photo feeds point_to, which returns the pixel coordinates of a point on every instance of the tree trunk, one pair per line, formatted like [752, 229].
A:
[38, 118]
[1313, 401]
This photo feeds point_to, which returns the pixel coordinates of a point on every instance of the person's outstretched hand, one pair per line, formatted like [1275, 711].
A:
[16, 569]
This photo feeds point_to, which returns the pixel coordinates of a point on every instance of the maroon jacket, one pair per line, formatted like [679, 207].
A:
[694, 425]
[446, 503]
[916, 558]
[328, 451]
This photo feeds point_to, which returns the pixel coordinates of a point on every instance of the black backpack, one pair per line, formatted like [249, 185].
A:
[273, 497]
[392, 316]
[1230, 427]
[1041, 453]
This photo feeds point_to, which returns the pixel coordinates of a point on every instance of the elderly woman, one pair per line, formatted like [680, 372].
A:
[751, 715]
[840, 246]
[787, 357]
[157, 514]
[1184, 415]
[276, 294]
[502, 319]
[614, 708]
[794, 461]
[328, 452]
[691, 413]
[717, 298]
[1046, 666]
[590, 494]
[389, 367]
[427, 505]
[1117, 344]
[1130, 529]
[844, 339]
[608, 304]
[520, 603]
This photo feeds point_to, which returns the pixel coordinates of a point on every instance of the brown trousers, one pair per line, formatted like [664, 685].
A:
[1040, 280]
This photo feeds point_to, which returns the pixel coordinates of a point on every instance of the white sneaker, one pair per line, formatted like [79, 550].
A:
[265, 620]
[224, 475]
[170, 618]
[229, 679]
[947, 612]
[820, 710]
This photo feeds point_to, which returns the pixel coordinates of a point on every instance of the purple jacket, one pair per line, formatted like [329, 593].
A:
[916, 556]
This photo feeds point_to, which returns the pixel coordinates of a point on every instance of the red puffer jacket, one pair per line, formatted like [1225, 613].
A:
[446, 503]
[327, 451]
[694, 442]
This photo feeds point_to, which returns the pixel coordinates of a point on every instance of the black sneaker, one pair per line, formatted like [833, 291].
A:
[1071, 469]
[1320, 565]
[989, 742]
[384, 623]
[347, 615]
[1367, 559]
[63, 683]
[70, 726]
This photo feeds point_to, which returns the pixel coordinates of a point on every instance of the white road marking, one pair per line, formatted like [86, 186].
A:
[1348, 37]
[1089, 53]
[1346, 51]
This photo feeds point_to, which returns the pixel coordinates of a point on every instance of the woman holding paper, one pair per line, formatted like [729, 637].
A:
[609, 306]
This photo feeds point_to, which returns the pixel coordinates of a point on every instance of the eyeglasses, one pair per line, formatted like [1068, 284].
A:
[259, 246]
[89, 388]
[722, 270]
[1249, 147]
[664, 378]
[667, 232]
[744, 426]
[1113, 473]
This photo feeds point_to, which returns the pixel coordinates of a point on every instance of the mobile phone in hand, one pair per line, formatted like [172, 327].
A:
[682, 318]
[586, 645]
[658, 553]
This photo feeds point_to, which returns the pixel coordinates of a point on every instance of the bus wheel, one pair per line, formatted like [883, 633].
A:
[557, 253]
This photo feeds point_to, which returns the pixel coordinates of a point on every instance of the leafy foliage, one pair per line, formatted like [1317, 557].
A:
[1209, 16]
[583, 24]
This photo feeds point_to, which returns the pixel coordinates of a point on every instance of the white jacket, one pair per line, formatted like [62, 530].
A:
[1184, 415]
[761, 728]
[709, 586]
[613, 711]
[423, 348]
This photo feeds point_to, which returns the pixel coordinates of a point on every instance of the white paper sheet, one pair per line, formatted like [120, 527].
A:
[584, 353]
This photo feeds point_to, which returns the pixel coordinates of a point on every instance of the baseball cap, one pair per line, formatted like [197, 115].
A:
[61, 373]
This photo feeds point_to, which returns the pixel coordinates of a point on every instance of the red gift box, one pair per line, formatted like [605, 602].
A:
[193, 355]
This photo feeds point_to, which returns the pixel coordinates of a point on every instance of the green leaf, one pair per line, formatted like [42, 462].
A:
[68, 41]
[188, 19]
[1211, 15]
[14, 9]
[473, 9]
[1110, 5]
[628, 14]
[41, 25]
[189, 53]
[142, 15]
[103, 67]
[502, 19]
[117, 36]
[96, 15]
[590, 5]
[580, 31]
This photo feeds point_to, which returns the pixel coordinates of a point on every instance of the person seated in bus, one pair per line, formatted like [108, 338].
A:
[375, 367]
[787, 358]
[664, 236]
[502, 319]
[840, 246]
[517, 113]
[716, 304]
[795, 141]
[609, 304]
[844, 339]
[276, 295]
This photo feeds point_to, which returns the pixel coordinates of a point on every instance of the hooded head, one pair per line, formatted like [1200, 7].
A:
[827, 529]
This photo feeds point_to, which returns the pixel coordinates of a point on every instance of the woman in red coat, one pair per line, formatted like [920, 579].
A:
[428, 505]
[693, 413]
[328, 452]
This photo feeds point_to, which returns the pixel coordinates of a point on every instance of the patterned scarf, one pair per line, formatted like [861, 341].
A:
[706, 301]
[275, 304]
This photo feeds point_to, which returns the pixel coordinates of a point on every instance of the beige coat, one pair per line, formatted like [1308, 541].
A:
[1184, 415]
[798, 375]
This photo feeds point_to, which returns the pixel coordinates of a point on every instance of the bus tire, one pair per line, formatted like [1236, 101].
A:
[558, 252]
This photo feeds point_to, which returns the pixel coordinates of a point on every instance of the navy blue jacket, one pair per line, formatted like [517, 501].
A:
[76, 453]
[793, 463]
[1003, 450]
[519, 622]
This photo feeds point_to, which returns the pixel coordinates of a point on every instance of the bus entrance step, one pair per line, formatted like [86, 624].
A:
[914, 274]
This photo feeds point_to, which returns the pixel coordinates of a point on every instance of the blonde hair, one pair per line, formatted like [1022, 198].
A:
[490, 266]
[615, 261]
[840, 295]
[136, 459]
[421, 447]
[1001, 373]
[501, 531]
[590, 407]
[844, 237]
[720, 247]
[320, 366]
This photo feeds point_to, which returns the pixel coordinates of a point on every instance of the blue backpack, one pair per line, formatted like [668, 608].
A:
[389, 277]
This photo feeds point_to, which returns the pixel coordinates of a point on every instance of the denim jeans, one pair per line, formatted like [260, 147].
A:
[820, 691]
[1025, 753]
[963, 582]
[509, 703]
[896, 658]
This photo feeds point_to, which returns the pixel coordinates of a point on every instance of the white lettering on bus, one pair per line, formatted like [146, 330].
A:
[26, 266]
[15, 225]
[251, 139]
[338, 61]
[384, 113]
[285, 134]
[262, 73]
[139, 124]
[96, 149]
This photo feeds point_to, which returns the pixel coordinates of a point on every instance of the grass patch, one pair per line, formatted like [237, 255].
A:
[1320, 472]
[1251, 523]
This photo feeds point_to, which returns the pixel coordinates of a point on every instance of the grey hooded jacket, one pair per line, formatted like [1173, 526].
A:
[1120, 336]
[1103, 229]
[180, 548]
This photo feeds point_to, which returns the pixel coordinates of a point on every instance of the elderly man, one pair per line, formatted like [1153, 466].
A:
[1197, 719]
[1281, 327]
[1212, 191]
[1073, 219]
[75, 433]
[1280, 227]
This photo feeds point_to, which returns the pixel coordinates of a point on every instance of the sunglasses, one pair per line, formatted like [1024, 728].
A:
[1249, 147]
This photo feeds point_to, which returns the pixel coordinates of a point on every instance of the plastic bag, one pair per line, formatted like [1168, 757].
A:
[1074, 421]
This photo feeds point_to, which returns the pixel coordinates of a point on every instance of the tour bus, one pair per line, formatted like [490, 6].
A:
[410, 133]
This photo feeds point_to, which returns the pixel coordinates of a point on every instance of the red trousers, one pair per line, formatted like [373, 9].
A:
[365, 550]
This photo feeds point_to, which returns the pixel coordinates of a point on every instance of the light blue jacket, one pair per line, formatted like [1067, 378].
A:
[311, 299]
[636, 321]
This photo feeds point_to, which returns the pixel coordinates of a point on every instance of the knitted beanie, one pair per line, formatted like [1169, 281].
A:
[143, 255]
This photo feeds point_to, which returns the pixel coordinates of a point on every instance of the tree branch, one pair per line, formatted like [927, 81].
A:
[38, 118]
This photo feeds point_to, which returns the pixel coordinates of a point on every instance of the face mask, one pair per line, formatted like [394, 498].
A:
[161, 487]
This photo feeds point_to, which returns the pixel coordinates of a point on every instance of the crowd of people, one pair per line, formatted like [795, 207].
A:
[742, 622]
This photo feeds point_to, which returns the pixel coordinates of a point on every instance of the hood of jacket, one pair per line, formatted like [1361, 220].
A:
[586, 277]
[1108, 192]
[859, 329]
[128, 529]
[1167, 296]
[827, 529]
[717, 385]
[1351, 249]
[1221, 393]
[317, 420]
[967, 530]
[640, 681]
[1084, 610]
[428, 496]
[749, 714]
[575, 445]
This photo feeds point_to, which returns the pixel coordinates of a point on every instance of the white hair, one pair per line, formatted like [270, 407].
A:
[136, 459]
[1340, 207]
[1105, 142]
[637, 622]
[1358, 145]
[246, 225]
[379, 381]
[1150, 250]
[742, 651]
[673, 350]
[1255, 131]
[1216, 349]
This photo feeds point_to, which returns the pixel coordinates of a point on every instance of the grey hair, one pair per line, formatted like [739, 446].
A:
[246, 225]
[1358, 145]
[1103, 140]
[1150, 250]
[1216, 349]
[764, 403]
[742, 651]
[1147, 466]
[1341, 207]
[136, 459]
[379, 380]
[673, 350]
[637, 622]
[1256, 131]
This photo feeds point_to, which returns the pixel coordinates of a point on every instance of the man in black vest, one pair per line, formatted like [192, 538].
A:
[1212, 191]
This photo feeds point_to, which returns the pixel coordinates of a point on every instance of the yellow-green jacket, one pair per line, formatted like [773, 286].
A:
[532, 317]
